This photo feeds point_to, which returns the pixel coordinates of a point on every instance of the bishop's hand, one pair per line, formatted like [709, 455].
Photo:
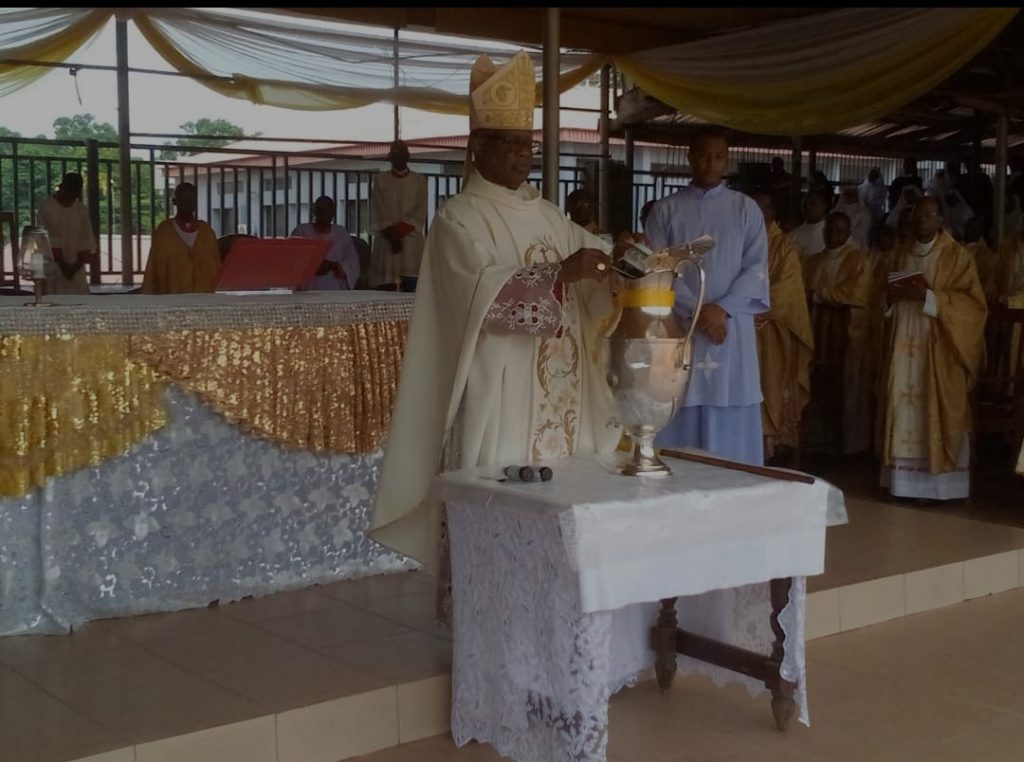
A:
[590, 264]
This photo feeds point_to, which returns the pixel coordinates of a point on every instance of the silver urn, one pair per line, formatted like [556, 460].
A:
[650, 353]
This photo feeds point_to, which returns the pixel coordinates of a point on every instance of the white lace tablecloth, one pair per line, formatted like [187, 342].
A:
[557, 584]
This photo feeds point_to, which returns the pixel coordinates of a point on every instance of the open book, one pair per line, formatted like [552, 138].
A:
[909, 279]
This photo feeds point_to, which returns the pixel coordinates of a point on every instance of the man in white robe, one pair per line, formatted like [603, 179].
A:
[71, 237]
[398, 214]
[721, 412]
[810, 236]
[504, 360]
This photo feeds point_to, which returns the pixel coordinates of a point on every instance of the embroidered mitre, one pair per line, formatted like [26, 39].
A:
[502, 98]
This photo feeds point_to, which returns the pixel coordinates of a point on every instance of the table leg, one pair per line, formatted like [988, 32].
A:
[783, 704]
[663, 641]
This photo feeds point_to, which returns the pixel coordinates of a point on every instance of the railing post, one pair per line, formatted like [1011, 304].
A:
[124, 155]
[551, 74]
[604, 163]
[92, 200]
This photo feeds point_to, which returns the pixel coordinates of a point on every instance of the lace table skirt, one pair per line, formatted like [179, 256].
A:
[532, 673]
[197, 512]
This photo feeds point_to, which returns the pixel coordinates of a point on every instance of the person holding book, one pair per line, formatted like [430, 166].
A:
[933, 341]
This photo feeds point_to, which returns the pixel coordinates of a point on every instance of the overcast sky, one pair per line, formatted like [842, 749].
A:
[159, 104]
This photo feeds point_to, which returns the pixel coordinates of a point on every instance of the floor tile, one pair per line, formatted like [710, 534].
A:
[278, 605]
[992, 574]
[331, 627]
[398, 658]
[424, 708]
[139, 629]
[822, 617]
[380, 586]
[934, 588]
[87, 639]
[294, 680]
[871, 602]
[36, 726]
[127, 754]
[139, 696]
[249, 741]
[339, 729]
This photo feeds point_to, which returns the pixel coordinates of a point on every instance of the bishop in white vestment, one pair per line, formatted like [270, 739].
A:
[503, 363]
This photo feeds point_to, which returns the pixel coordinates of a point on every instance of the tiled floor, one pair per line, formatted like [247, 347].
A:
[943, 686]
[122, 682]
[258, 667]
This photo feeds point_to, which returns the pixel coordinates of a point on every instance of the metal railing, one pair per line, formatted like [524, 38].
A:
[268, 193]
[262, 193]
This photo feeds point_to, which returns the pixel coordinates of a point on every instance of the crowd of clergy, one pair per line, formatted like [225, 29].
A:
[869, 335]
[877, 328]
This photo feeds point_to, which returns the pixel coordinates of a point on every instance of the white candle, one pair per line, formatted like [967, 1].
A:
[38, 265]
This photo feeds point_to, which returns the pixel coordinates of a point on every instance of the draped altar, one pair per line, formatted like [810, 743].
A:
[159, 453]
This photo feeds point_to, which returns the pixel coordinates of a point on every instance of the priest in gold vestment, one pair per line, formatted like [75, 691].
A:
[184, 258]
[504, 361]
[838, 281]
[785, 347]
[931, 353]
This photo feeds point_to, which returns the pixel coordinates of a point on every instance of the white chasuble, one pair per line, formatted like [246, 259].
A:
[471, 397]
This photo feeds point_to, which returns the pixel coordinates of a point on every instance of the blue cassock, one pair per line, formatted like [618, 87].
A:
[721, 412]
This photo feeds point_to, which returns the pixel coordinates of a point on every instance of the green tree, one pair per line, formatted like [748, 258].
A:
[82, 127]
[215, 132]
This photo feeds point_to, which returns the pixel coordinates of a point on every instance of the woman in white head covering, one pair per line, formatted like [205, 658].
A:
[957, 212]
[911, 193]
[850, 204]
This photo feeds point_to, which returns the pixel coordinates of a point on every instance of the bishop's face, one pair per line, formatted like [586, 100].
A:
[504, 157]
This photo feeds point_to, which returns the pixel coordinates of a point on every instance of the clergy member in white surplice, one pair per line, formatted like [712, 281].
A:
[66, 220]
[503, 363]
[931, 351]
[398, 214]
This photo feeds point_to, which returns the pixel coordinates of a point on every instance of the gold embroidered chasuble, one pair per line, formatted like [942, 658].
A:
[929, 364]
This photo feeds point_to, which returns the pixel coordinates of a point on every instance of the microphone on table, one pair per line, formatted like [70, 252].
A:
[528, 473]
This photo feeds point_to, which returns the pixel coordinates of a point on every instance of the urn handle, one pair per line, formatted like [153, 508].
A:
[691, 260]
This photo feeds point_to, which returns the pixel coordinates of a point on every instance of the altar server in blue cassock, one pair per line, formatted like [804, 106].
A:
[721, 412]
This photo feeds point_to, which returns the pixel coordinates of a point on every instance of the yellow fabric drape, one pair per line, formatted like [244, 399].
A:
[318, 388]
[53, 34]
[775, 84]
[69, 401]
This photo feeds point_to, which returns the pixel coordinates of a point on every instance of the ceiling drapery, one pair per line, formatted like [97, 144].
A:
[821, 73]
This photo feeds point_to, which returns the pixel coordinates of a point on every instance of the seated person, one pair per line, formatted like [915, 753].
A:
[184, 257]
[340, 269]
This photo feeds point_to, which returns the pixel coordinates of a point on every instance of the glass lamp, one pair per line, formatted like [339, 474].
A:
[35, 259]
